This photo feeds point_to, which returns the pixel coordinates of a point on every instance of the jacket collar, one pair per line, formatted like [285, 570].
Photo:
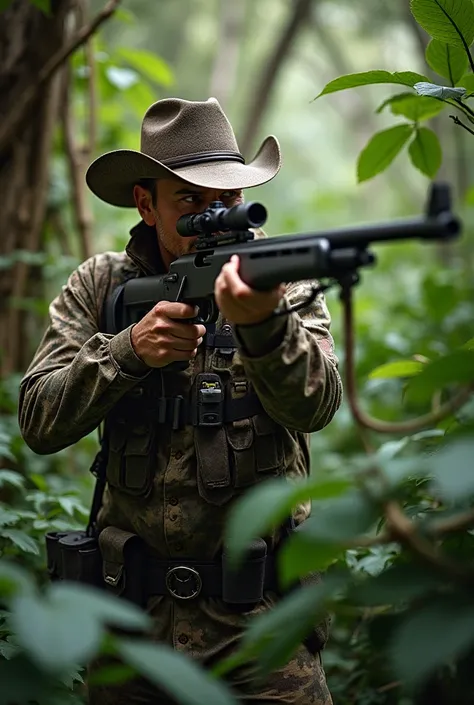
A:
[143, 249]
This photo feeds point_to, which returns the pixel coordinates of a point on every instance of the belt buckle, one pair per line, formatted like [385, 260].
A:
[183, 582]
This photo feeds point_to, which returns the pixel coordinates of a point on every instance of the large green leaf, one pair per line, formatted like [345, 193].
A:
[276, 634]
[450, 21]
[433, 635]
[381, 150]
[56, 635]
[269, 504]
[148, 64]
[425, 152]
[448, 61]
[173, 672]
[452, 469]
[14, 580]
[456, 368]
[368, 78]
[340, 519]
[417, 107]
[400, 368]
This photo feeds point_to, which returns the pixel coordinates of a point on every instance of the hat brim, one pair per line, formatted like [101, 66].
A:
[111, 177]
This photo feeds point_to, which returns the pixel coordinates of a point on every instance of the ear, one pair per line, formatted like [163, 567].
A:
[143, 202]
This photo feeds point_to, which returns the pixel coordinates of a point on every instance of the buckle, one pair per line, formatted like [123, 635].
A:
[112, 580]
[183, 583]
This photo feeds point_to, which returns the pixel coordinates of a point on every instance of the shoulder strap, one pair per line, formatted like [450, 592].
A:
[98, 469]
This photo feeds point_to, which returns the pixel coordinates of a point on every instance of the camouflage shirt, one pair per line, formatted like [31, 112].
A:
[159, 479]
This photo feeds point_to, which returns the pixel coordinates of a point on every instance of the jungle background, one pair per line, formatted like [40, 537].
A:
[266, 61]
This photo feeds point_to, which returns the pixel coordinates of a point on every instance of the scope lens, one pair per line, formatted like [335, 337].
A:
[256, 214]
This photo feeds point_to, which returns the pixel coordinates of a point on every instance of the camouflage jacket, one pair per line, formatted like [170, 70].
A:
[174, 487]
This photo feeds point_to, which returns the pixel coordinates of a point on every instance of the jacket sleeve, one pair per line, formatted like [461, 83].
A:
[77, 373]
[291, 364]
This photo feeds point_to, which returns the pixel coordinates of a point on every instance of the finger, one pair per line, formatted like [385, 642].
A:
[176, 309]
[188, 331]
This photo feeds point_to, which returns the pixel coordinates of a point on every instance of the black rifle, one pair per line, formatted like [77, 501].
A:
[336, 255]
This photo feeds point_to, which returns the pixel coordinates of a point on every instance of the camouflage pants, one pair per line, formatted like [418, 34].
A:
[301, 682]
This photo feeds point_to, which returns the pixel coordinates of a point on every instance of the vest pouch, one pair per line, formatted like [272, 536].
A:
[123, 561]
[131, 462]
[240, 437]
[268, 445]
[80, 558]
[244, 585]
[53, 554]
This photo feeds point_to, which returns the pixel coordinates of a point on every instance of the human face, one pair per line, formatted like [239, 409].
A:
[174, 199]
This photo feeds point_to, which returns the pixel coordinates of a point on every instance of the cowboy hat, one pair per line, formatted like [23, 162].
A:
[191, 140]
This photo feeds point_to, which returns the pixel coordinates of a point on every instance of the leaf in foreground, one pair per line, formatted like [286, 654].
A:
[447, 60]
[174, 673]
[432, 636]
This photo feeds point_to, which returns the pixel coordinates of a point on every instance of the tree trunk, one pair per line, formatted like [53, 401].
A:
[28, 38]
[226, 61]
[298, 16]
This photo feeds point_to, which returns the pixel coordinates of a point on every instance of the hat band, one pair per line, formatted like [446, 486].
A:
[202, 157]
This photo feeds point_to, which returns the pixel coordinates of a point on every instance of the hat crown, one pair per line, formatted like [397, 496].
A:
[173, 128]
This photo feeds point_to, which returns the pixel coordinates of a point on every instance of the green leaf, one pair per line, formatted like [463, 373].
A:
[13, 580]
[355, 80]
[452, 470]
[269, 504]
[417, 107]
[432, 90]
[7, 516]
[22, 540]
[450, 21]
[43, 5]
[398, 584]
[338, 520]
[105, 608]
[400, 368]
[448, 61]
[63, 633]
[302, 554]
[111, 675]
[456, 368]
[10, 477]
[173, 672]
[425, 152]
[433, 635]
[382, 150]
[274, 636]
[148, 64]
[4, 4]
[467, 82]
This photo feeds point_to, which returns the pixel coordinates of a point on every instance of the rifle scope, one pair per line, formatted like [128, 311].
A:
[216, 218]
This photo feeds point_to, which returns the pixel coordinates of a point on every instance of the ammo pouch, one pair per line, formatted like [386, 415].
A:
[73, 555]
[131, 571]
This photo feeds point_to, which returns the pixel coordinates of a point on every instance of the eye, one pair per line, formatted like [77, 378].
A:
[231, 195]
[194, 198]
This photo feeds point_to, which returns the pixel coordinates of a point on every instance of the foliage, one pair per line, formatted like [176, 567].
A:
[400, 626]
[451, 26]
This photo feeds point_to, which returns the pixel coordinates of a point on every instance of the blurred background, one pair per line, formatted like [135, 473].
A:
[265, 61]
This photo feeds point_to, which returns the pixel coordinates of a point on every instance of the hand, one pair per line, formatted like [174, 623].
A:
[239, 303]
[158, 339]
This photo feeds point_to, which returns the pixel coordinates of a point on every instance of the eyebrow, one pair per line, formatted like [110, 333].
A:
[187, 191]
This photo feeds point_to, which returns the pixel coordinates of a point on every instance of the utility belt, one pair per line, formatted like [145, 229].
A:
[120, 561]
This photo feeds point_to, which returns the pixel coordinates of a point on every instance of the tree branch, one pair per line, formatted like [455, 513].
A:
[27, 98]
[413, 425]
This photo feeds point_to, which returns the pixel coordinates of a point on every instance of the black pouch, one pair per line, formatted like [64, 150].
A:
[53, 554]
[123, 555]
[80, 558]
[246, 584]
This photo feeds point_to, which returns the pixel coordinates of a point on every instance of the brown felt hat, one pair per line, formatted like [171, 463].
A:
[192, 140]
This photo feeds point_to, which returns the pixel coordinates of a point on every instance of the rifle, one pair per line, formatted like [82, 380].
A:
[336, 255]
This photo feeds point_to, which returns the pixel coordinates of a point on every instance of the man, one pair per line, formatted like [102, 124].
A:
[170, 479]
